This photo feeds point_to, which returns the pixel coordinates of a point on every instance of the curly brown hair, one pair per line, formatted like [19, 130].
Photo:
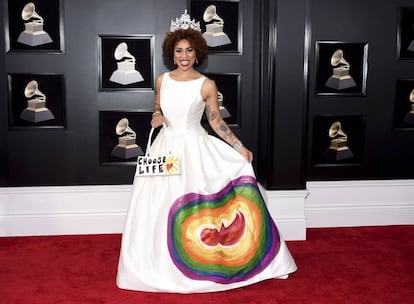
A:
[194, 37]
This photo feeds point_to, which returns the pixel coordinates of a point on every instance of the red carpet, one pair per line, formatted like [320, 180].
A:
[343, 265]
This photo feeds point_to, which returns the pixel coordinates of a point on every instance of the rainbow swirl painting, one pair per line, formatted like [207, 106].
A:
[225, 237]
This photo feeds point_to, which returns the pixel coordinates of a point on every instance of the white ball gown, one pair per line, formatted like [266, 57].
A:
[207, 229]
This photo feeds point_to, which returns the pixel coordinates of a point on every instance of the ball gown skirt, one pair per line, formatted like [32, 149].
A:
[207, 229]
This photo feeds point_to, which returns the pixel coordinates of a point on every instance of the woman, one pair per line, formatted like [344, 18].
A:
[207, 229]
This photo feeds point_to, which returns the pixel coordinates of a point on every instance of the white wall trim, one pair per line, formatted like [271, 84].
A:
[28, 211]
[62, 210]
[287, 208]
[360, 203]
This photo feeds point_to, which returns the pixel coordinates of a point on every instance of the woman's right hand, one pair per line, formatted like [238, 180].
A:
[157, 120]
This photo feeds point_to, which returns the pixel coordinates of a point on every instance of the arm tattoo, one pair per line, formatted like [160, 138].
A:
[211, 115]
[227, 133]
[223, 128]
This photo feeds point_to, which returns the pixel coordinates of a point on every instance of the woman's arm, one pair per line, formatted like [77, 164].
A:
[209, 94]
[157, 117]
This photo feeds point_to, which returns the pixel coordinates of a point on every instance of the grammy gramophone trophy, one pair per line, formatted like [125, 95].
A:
[36, 110]
[338, 150]
[411, 46]
[126, 148]
[214, 34]
[340, 78]
[409, 117]
[223, 110]
[125, 72]
[33, 34]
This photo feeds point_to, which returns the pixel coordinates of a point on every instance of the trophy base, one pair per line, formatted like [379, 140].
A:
[216, 39]
[224, 112]
[411, 46]
[36, 116]
[335, 155]
[34, 38]
[340, 83]
[126, 66]
[409, 118]
[126, 77]
[126, 152]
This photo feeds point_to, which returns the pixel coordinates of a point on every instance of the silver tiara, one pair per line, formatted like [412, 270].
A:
[184, 23]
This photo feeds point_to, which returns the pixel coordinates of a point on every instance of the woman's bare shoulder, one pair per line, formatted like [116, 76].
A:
[158, 81]
[160, 77]
[209, 84]
[208, 89]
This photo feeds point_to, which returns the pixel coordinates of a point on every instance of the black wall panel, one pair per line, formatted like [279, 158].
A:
[283, 99]
[70, 156]
[3, 114]
[283, 118]
[382, 151]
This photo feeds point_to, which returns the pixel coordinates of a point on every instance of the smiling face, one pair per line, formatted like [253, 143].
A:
[184, 54]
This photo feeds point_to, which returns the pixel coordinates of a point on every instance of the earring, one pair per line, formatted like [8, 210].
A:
[175, 63]
[196, 61]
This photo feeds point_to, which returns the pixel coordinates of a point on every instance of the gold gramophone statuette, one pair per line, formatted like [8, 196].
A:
[409, 117]
[340, 78]
[33, 34]
[338, 149]
[411, 45]
[214, 34]
[223, 110]
[127, 147]
[36, 110]
[125, 72]
[411, 98]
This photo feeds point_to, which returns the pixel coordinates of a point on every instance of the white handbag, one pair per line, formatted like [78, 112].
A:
[156, 165]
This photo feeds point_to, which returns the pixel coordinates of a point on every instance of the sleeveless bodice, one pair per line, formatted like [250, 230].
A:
[182, 104]
[206, 229]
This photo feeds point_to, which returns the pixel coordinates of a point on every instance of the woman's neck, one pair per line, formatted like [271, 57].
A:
[181, 75]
